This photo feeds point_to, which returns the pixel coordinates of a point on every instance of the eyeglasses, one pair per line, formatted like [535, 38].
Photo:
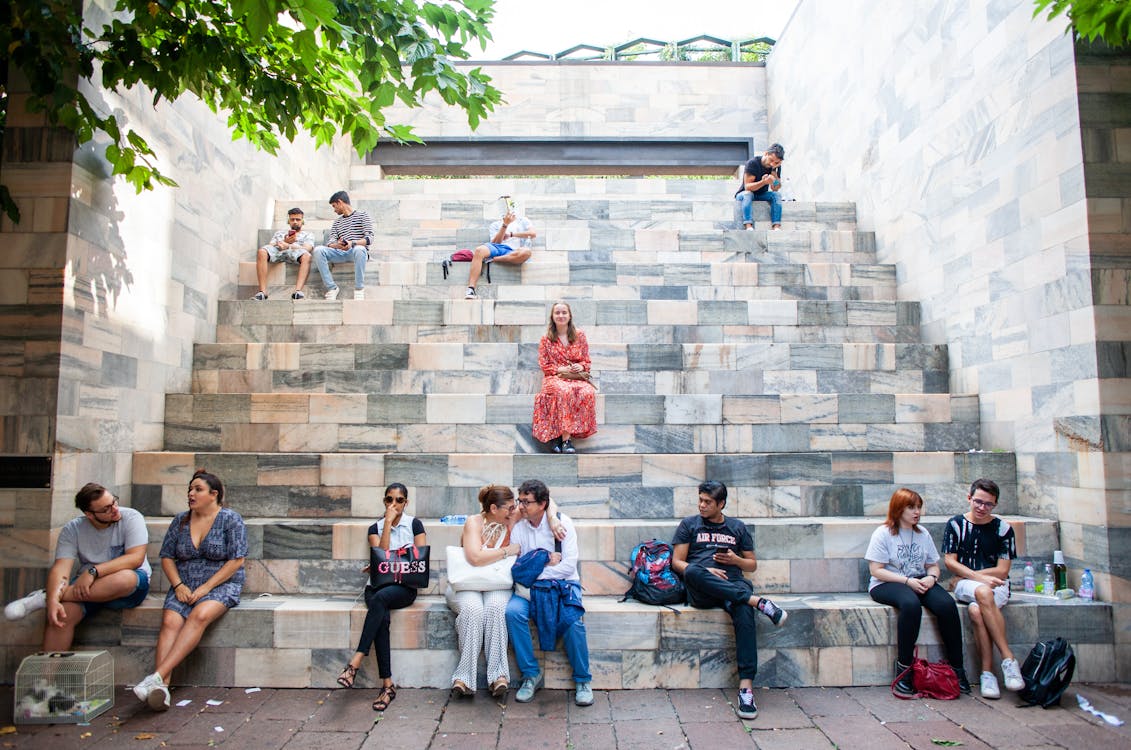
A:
[389, 499]
[983, 503]
[525, 503]
[108, 509]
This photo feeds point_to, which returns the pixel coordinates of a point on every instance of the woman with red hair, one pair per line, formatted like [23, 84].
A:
[904, 564]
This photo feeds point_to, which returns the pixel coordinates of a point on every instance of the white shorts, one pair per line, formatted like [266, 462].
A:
[964, 592]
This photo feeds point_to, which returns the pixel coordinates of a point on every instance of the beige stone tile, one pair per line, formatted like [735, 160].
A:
[809, 408]
[455, 408]
[479, 469]
[916, 468]
[668, 470]
[279, 408]
[751, 409]
[834, 666]
[276, 667]
[735, 274]
[710, 356]
[249, 438]
[922, 407]
[308, 438]
[338, 408]
[162, 467]
[352, 469]
[436, 356]
[673, 312]
[350, 540]
[367, 312]
[311, 624]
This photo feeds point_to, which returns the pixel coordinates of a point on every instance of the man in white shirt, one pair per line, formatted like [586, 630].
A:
[109, 544]
[561, 580]
[511, 240]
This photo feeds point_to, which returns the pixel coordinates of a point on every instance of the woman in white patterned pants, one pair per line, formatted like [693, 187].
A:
[481, 615]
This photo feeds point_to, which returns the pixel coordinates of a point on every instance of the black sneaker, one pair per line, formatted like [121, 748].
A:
[776, 614]
[963, 683]
[745, 708]
[298, 295]
[557, 445]
[903, 684]
[259, 296]
[567, 447]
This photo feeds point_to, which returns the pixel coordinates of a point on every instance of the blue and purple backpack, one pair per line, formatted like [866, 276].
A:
[653, 580]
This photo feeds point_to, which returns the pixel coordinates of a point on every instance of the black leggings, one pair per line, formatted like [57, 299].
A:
[375, 631]
[910, 606]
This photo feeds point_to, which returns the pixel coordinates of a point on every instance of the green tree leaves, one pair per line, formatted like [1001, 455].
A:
[276, 67]
[1109, 20]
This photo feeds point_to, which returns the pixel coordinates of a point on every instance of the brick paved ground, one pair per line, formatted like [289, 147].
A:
[794, 719]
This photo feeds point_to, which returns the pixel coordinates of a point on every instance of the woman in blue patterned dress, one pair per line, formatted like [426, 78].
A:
[202, 558]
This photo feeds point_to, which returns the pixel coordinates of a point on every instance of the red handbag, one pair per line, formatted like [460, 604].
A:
[932, 679]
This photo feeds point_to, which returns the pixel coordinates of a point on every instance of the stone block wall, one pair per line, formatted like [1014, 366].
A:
[103, 291]
[988, 154]
[564, 99]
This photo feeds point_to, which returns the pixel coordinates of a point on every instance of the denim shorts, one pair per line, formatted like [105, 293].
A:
[498, 249]
[125, 602]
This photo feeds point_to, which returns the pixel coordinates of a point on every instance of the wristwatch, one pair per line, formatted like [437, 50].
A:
[93, 571]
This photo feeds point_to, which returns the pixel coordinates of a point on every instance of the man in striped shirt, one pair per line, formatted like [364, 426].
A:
[351, 233]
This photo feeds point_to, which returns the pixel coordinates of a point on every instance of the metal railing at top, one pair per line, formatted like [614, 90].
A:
[701, 48]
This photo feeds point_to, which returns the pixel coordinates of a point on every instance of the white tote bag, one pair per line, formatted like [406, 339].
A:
[463, 576]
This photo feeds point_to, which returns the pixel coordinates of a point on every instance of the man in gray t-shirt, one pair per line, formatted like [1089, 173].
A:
[109, 543]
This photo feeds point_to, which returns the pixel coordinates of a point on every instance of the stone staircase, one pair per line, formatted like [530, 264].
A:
[778, 362]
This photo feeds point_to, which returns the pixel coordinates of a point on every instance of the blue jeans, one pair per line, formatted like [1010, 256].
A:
[746, 198]
[324, 256]
[574, 640]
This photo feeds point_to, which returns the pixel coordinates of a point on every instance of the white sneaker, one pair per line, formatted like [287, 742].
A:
[158, 698]
[470, 293]
[1012, 674]
[989, 686]
[359, 294]
[332, 293]
[143, 688]
[20, 608]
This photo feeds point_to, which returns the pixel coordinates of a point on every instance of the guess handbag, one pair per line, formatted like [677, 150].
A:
[463, 576]
[407, 566]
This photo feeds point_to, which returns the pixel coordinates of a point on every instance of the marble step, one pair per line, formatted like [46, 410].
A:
[829, 640]
[849, 411]
[733, 369]
[717, 210]
[549, 280]
[627, 322]
[582, 242]
[282, 422]
[587, 485]
[795, 555]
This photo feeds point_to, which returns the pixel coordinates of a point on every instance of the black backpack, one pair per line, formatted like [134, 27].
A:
[653, 580]
[1047, 672]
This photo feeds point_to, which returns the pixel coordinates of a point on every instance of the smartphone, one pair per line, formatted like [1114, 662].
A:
[508, 204]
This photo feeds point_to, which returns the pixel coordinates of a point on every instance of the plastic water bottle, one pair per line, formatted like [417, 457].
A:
[1087, 585]
[1030, 578]
[453, 520]
[1048, 587]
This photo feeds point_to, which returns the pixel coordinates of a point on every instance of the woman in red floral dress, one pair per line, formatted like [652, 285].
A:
[566, 407]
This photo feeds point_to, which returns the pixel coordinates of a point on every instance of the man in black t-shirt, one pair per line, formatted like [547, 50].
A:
[712, 552]
[761, 181]
[978, 548]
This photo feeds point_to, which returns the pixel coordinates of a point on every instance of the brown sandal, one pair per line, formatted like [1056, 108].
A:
[346, 678]
[387, 695]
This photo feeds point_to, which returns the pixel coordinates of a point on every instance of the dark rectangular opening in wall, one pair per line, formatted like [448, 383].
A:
[578, 156]
[25, 472]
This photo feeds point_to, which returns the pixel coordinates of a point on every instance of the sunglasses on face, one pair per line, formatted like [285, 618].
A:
[398, 500]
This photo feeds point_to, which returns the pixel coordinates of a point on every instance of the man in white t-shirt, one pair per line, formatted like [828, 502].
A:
[108, 542]
[511, 240]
